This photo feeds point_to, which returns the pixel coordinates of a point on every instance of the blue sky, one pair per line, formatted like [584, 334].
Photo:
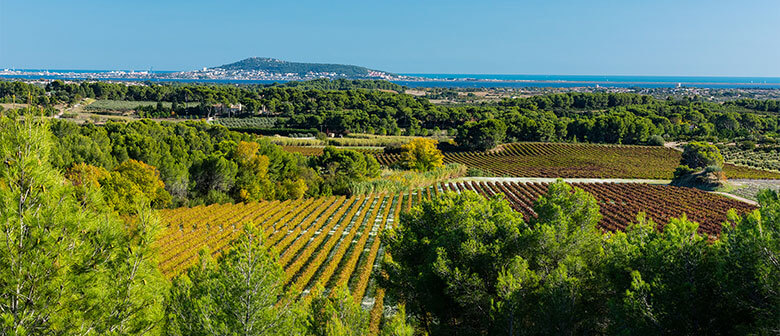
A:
[630, 37]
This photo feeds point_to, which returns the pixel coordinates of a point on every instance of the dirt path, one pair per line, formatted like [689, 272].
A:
[749, 201]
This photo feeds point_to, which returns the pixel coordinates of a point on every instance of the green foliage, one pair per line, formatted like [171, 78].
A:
[554, 267]
[655, 140]
[337, 314]
[397, 324]
[68, 267]
[239, 294]
[699, 155]
[343, 106]
[446, 258]
[481, 135]
[196, 161]
[456, 256]
[340, 167]
[682, 171]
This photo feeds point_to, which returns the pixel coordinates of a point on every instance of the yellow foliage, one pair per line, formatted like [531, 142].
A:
[421, 155]
[246, 153]
[86, 175]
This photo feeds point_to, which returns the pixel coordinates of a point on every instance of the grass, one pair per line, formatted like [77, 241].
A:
[394, 181]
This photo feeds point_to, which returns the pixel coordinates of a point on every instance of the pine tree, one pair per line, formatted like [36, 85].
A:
[239, 294]
[66, 267]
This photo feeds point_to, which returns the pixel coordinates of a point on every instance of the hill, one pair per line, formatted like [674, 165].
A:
[276, 66]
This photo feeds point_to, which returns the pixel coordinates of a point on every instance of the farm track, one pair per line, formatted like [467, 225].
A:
[335, 241]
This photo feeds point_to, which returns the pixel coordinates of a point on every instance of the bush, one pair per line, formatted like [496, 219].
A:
[681, 171]
[747, 145]
[713, 169]
[655, 140]
[476, 172]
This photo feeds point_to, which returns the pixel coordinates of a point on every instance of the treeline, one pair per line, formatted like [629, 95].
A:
[201, 163]
[60, 92]
[198, 163]
[590, 117]
[755, 104]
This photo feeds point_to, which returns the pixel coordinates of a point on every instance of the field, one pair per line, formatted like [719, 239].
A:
[247, 123]
[761, 157]
[334, 240]
[123, 105]
[750, 188]
[581, 161]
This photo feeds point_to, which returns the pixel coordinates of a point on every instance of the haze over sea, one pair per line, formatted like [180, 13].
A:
[495, 80]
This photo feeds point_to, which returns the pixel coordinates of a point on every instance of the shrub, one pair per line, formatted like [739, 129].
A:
[747, 145]
[682, 170]
[476, 172]
[655, 140]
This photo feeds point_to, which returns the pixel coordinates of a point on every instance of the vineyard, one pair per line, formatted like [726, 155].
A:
[335, 240]
[580, 161]
[247, 123]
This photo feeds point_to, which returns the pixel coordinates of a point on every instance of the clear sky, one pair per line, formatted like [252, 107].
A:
[598, 37]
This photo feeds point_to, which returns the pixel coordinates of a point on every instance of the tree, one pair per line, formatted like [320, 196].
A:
[748, 271]
[421, 155]
[698, 155]
[242, 293]
[252, 183]
[67, 268]
[446, 258]
[147, 179]
[397, 324]
[340, 167]
[463, 264]
[337, 314]
[84, 178]
[556, 268]
[482, 135]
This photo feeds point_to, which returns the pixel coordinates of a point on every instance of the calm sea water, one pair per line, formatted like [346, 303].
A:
[512, 81]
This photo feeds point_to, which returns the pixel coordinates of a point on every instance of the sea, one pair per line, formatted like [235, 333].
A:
[481, 80]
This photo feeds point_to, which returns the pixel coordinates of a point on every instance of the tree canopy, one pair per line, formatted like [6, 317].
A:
[421, 155]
